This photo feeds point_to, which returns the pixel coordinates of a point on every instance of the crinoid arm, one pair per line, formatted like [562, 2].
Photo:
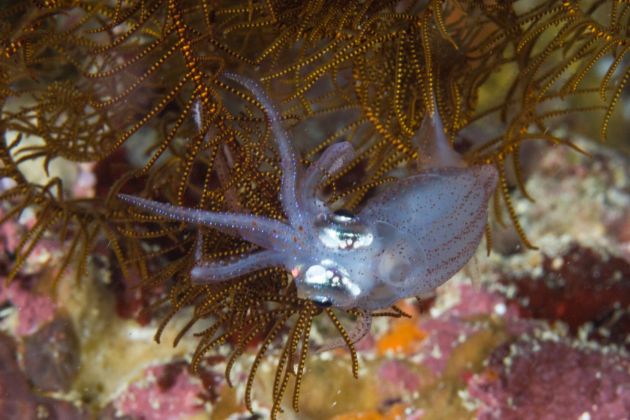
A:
[269, 233]
[360, 329]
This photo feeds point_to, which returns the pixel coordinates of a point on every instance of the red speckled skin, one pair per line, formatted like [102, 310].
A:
[445, 211]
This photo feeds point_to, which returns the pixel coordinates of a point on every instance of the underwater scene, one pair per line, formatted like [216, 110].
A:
[314, 209]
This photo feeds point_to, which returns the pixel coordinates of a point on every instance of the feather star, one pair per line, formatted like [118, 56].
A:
[405, 241]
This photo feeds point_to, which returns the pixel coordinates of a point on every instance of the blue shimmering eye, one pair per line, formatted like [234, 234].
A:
[327, 281]
[323, 301]
[343, 230]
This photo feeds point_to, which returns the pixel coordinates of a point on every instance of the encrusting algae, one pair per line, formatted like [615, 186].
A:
[137, 90]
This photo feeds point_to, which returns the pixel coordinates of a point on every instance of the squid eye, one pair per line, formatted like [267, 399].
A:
[343, 230]
[343, 215]
[328, 284]
[322, 302]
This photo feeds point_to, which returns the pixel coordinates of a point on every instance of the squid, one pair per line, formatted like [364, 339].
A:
[407, 240]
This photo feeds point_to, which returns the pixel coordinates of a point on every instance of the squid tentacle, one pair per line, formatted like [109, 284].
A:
[216, 272]
[290, 164]
[269, 233]
[360, 329]
[436, 150]
[331, 161]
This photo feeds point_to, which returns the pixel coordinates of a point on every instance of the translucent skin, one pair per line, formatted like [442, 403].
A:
[406, 241]
[439, 216]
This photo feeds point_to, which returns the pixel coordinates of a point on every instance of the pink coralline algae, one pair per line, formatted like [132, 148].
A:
[33, 310]
[579, 287]
[9, 237]
[394, 374]
[543, 379]
[452, 327]
[166, 392]
[476, 300]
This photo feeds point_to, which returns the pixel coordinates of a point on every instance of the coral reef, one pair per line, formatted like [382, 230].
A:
[536, 378]
[18, 401]
[112, 97]
[51, 356]
[165, 392]
[582, 289]
[32, 310]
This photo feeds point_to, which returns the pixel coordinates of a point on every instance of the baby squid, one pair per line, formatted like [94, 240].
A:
[407, 240]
